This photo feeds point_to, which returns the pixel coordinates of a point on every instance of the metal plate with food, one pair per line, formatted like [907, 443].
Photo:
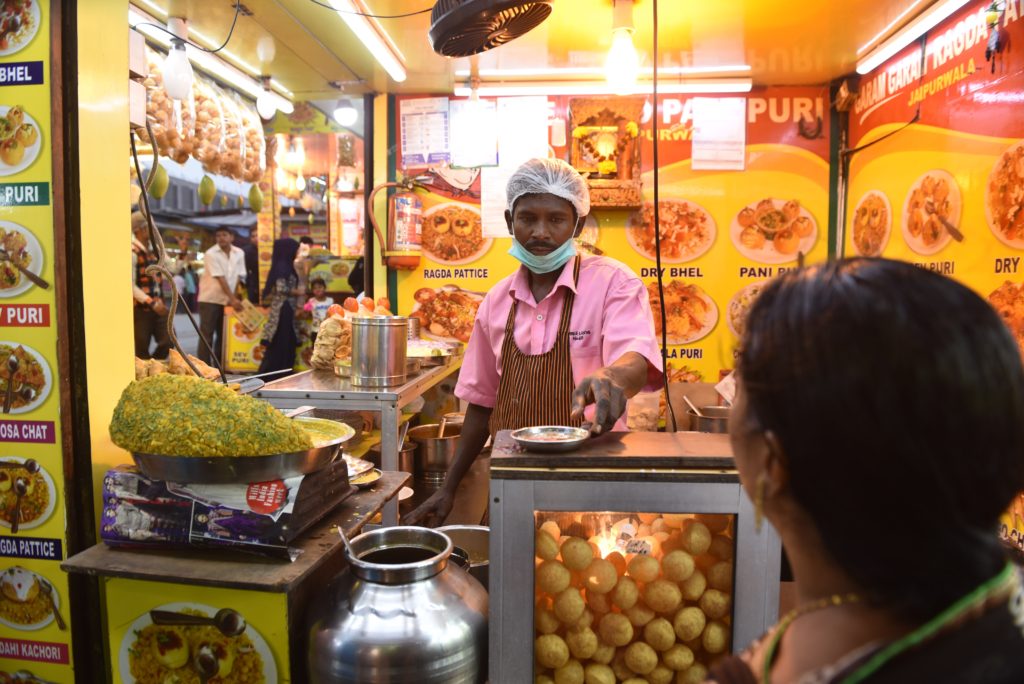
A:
[687, 231]
[357, 467]
[551, 438]
[367, 479]
[328, 436]
[932, 197]
[452, 233]
[773, 231]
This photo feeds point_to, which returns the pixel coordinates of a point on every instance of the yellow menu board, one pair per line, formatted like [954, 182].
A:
[34, 602]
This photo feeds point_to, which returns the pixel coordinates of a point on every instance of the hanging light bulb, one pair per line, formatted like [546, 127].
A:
[177, 71]
[623, 63]
[345, 113]
[266, 105]
[266, 49]
[300, 182]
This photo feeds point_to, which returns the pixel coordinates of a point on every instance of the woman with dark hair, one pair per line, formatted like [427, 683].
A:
[279, 335]
[879, 426]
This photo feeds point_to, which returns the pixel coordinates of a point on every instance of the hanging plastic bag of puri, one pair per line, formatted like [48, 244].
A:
[255, 163]
[209, 125]
[172, 121]
[232, 155]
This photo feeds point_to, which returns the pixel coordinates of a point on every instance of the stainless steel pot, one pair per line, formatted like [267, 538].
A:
[715, 419]
[406, 457]
[434, 455]
[474, 540]
[378, 350]
[402, 614]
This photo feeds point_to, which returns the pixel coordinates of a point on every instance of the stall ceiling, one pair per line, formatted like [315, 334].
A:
[783, 41]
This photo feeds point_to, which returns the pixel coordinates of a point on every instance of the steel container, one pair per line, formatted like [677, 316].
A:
[414, 328]
[715, 419]
[406, 457]
[434, 455]
[402, 613]
[474, 540]
[378, 351]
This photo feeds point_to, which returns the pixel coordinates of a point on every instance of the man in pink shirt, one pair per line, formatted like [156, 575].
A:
[582, 337]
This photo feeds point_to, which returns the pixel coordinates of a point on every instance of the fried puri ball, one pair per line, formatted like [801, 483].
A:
[662, 596]
[677, 566]
[615, 629]
[648, 518]
[721, 548]
[622, 672]
[582, 642]
[616, 559]
[644, 568]
[545, 545]
[543, 679]
[693, 588]
[689, 623]
[715, 638]
[570, 673]
[659, 634]
[715, 604]
[569, 606]
[550, 651]
[600, 603]
[695, 674]
[674, 520]
[552, 577]
[635, 680]
[696, 538]
[678, 658]
[551, 527]
[586, 620]
[720, 576]
[625, 594]
[639, 615]
[659, 525]
[604, 653]
[705, 562]
[544, 619]
[661, 674]
[597, 673]
[577, 554]
[600, 576]
[641, 658]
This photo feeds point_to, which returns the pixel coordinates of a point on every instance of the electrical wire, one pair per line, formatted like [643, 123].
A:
[373, 16]
[657, 230]
[231, 31]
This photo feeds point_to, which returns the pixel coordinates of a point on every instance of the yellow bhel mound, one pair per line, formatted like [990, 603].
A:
[715, 637]
[570, 673]
[674, 520]
[597, 673]
[693, 588]
[615, 629]
[569, 606]
[600, 576]
[662, 596]
[551, 527]
[582, 643]
[625, 594]
[659, 634]
[604, 653]
[689, 623]
[697, 538]
[721, 548]
[639, 615]
[644, 568]
[544, 620]
[720, 576]
[715, 604]
[552, 577]
[586, 620]
[661, 675]
[544, 545]
[550, 651]
[543, 679]
[577, 554]
[677, 658]
[695, 674]
[641, 658]
[600, 603]
[616, 559]
[716, 523]
[677, 566]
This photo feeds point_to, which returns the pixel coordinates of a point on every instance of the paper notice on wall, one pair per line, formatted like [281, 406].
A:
[719, 133]
[424, 131]
[522, 124]
[474, 138]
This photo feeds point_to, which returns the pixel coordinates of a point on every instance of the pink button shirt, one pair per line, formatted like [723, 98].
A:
[611, 316]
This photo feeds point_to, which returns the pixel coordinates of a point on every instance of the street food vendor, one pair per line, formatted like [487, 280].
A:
[564, 340]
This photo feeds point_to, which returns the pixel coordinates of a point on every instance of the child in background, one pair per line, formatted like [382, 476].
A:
[319, 303]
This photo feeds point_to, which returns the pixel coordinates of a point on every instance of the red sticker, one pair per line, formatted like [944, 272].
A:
[266, 497]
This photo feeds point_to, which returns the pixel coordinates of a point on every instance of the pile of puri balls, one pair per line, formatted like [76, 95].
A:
[658, 618]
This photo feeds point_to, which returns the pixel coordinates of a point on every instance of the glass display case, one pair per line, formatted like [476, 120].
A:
[635, 556]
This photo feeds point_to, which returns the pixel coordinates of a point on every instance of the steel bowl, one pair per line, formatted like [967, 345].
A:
[550, 438]
[474, 540]
[715, 419]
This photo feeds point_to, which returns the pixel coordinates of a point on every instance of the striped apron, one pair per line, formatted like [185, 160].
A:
[536, 389]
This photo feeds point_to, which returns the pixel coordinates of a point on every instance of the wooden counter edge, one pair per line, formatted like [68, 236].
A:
[236, 570]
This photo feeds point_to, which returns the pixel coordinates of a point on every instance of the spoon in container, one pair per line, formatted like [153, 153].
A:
[692, 407]
[20, 490]
[47, 589]
[440, 428]
[348, 545]
[229, 622]
[205, 663]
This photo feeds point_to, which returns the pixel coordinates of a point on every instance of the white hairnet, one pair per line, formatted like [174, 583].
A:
[552, 177]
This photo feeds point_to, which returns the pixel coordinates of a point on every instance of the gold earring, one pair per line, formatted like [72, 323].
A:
[759, 501]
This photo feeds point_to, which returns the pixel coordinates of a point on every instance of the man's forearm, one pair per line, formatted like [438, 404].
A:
[630, 372]
[475, 431]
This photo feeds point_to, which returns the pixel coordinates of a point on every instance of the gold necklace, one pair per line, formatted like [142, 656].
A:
[827, 602]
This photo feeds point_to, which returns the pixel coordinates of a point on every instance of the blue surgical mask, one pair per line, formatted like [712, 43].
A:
[544, 263]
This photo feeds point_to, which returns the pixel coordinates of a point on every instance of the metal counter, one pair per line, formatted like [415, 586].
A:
[324, 389]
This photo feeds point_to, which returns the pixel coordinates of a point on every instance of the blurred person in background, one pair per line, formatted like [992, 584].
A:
[223, 267]
[280, 337]
[879, 427]
[150, 308]
[252, 268]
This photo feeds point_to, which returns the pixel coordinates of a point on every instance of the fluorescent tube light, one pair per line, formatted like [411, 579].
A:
[598, 72]
[889, 27]
[373, 37]
[733, 85]
[923, 23]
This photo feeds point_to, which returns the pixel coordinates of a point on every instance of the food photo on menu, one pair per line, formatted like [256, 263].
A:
[773, 231]
[27, 494]
[28, 600]
[20, 141]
